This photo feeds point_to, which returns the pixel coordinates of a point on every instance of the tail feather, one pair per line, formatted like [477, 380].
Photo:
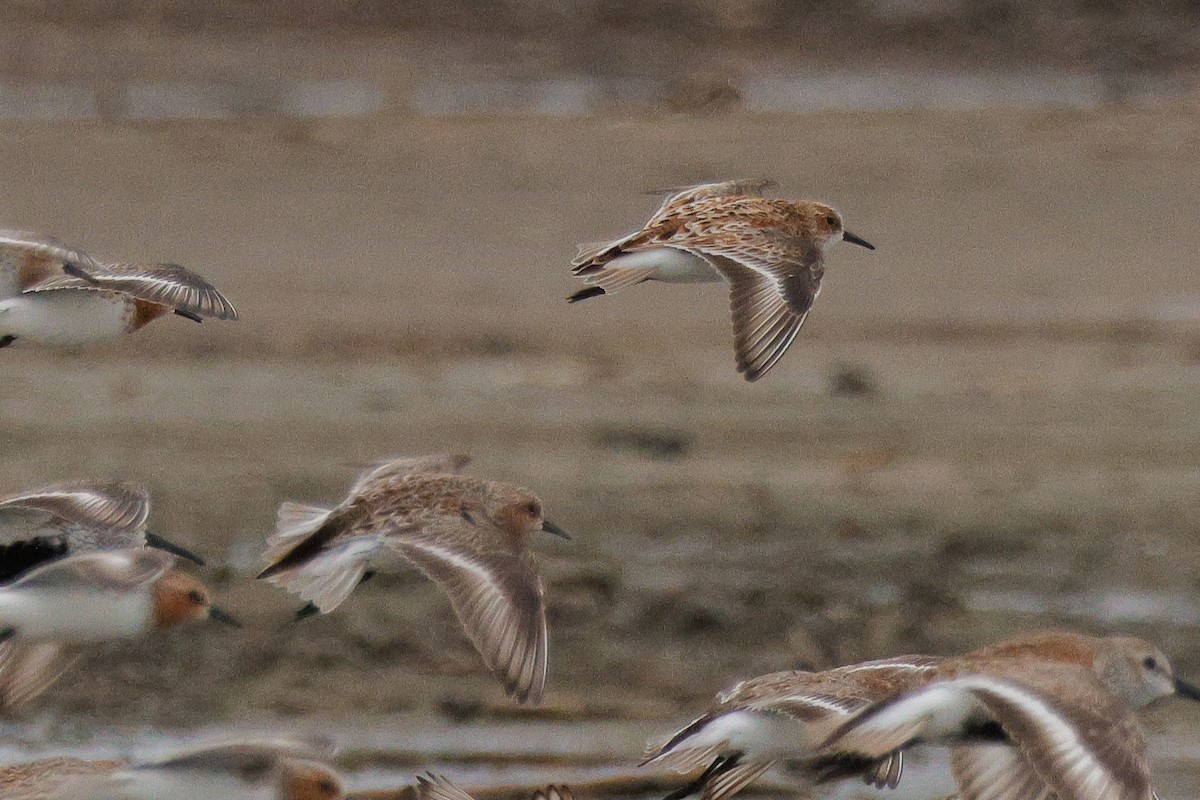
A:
[589, 252]
[732, 781]
[886, 771]
[609, 280]
[327, 579]
[294, 522]
[686, 759]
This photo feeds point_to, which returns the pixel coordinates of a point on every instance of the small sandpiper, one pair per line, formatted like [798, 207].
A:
[39, 525]
[771, 253]
[470, 536]
[56, 294]
[51, 612]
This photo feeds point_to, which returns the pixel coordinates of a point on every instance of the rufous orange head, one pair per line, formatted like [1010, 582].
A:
[179, 598]
[308, 780]
[518, 511]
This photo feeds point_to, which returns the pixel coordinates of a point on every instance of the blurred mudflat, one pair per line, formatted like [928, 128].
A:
[987, 424]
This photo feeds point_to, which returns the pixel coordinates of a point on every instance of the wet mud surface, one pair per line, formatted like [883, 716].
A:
[987, 425]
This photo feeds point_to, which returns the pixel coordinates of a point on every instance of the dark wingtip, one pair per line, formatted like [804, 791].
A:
[584, 294]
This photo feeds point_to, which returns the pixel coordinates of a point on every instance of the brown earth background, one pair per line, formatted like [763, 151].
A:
[989, 424]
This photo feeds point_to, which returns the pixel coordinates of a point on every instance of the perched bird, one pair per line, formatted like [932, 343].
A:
[253, 770]
[771, 252]
[42, 524]
[437, 787]
[782, 716]
[52, 611]
[466, 534]
[1050, 715]
[55, 294]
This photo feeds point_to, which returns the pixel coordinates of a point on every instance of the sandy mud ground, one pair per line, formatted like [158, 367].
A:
[988, 424]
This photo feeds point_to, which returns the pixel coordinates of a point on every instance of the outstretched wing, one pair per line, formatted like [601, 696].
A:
[117, 571]
[252, 760]
[678, 195]
[112, 505]
[28, 258]
[29, 668]
[995, 772]
[1089, 748]
[439, 787]
[165, 284]
[768, 304]
[497, 594]
[386, 469]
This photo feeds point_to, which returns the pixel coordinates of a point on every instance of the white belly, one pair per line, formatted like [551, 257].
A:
[761, 736]
[672, 265]
[77, 617]
[63, 317]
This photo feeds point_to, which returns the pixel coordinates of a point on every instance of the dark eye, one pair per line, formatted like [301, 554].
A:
[1151, 663]
[831, 221]
[327, 788]
[195, 597]
[533, 509]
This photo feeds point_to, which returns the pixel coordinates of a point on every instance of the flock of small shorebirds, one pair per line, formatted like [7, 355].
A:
[1039, 716]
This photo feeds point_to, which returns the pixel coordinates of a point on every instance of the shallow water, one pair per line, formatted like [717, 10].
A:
[577, 95]
[378, 758]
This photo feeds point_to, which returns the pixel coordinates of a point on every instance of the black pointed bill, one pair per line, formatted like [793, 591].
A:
[1185, 689]
[159, 543]
[847, 236]
[551, 528]
[223, 617]
[76, 271]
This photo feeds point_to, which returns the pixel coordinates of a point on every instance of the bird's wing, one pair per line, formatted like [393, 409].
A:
[28, 258]
[29, 668]
[774, 273]
[732, 781]
[554, 792]
[768, 308]
[116, 571]
[678, 195]
[496, 592]
[1089, 749]
[1086, 749]
[438, 787]
[164, 284]
[252, 761]
[663, 224]
[995, 772]
[111, 505]
[808, 706]
[385, 469]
